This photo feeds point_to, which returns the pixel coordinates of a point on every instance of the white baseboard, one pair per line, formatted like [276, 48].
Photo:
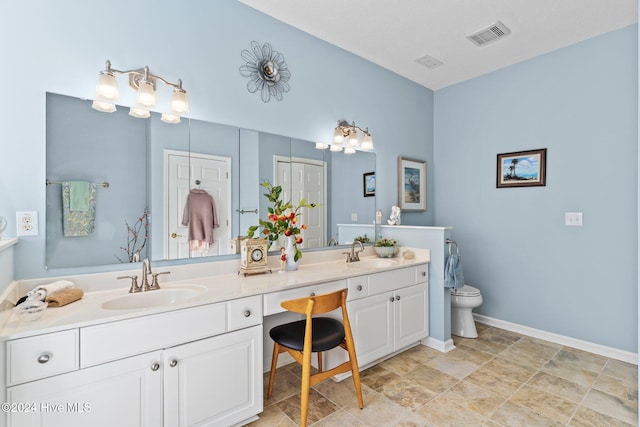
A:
[442, 346]
[610, 352]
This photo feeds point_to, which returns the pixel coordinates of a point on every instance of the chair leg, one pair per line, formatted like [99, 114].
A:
[306, 385]
[355, 372]
[319, 361]
[274, 362]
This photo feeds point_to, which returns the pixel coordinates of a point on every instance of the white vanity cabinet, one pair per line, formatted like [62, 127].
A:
[198, 366]
[389, 313]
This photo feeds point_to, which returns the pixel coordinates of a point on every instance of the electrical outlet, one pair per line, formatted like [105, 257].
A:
[26, 223]
[354, 217]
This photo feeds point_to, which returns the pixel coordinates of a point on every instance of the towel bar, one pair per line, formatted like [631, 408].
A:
[102, 184]
[451, 243]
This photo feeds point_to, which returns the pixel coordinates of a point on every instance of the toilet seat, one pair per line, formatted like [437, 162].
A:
[466, 291]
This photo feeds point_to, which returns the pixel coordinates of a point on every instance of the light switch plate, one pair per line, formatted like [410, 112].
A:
[354, 217]
[26, 223]
[573, 219]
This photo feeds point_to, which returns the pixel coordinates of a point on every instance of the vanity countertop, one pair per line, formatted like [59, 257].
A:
[222, 285]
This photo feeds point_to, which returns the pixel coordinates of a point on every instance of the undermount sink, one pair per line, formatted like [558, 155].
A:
[162, 296]
[371, 263]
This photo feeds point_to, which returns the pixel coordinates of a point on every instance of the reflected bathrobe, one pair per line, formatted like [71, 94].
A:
[200, 215]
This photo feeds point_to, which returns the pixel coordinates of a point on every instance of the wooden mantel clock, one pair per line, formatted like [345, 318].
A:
[253, 257]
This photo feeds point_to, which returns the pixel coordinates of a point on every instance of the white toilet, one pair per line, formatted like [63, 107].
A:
[463, 300]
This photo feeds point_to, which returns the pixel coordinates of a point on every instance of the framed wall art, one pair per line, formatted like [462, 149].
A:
[522, 169]
[369, 184]
[412, 184]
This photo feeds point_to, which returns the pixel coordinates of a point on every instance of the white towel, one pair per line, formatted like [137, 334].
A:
[52, 288]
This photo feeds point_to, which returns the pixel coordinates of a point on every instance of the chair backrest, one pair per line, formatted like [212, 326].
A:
[317, 304]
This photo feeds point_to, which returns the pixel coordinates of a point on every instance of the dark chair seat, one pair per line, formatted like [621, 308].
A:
[327, 334]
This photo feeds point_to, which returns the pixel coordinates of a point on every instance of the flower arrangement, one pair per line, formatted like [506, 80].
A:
[385, 243]
[283, 220]
[385, 248]
[133, 233]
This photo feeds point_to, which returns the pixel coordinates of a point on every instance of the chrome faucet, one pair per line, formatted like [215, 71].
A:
[354, 256]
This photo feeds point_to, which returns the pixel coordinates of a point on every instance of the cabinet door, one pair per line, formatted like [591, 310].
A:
[410, 315]
[215, 381]
[127, 392]
[371, 324]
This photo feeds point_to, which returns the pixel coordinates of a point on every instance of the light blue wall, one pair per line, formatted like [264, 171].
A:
[63, 45]
[581, 104]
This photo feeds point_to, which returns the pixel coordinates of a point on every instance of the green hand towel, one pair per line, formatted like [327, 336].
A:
[79, 196]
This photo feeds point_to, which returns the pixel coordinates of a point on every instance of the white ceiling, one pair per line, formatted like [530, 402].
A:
[393, 34]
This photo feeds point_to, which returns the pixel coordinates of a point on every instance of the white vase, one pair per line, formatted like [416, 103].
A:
[386, 251]
[290, 252]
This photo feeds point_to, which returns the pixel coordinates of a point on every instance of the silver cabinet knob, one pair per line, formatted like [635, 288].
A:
[313, 294]
[173, 363]
[359, 287]
[397, 297]
[392, 299]
[44, 358]
[247, 313]
[155, 366]
[424, 273]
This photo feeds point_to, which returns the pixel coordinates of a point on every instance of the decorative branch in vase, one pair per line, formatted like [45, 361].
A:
[283, 221]
[135, 232]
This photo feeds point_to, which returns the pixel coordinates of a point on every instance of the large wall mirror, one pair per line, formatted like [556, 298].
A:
[158, 173]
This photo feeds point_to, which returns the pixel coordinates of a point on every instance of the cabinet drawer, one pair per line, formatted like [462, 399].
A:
[422, 273]
[358, 287]
[41, 356]
[390, 280]
[272, 301]
[115, 340]
[245, 312]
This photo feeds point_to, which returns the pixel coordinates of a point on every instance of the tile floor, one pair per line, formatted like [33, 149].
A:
[499, 379]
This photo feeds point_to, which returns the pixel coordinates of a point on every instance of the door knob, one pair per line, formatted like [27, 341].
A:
[174, 235]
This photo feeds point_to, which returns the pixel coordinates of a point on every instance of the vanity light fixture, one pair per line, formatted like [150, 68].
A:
[349, 132]
[144, 83]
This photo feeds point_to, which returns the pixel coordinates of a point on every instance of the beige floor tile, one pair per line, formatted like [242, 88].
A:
[272, 416]
[339, 418]
[585, 417]
[499, 336]
[474, 398]
[559, 386]
[376, 377]
[442, 413]
[513, 369]
[285, 385]
[547, 404]
[401, 364]
[319, 407]
[621, 409]
[481, 344]
[617, 387]
[379, 411]
[570, 372]
[432, 379]
[525, 358]
[415, 420]
[421, 354]
[622, 370]
[465, 353]
[503, 385]
[581, 359]
[453, 366]
[342, 393]
[407, 393]
[512, 415]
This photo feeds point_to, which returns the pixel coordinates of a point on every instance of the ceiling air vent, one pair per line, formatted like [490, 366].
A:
[490, 34]
[429, 61]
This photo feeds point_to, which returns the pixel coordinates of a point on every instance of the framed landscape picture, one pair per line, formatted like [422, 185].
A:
[522, 169]
[369, 184]
[412, 184]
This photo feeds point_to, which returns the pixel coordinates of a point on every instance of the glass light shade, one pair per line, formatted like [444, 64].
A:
[139, 112]
[179, 102]
[367, 142]
[353, 139]
[349, 150]
[338, 137]
[321, 146]
[170, 118]
[107, 88]
[105, 107]
[335, 148]
[146, 94]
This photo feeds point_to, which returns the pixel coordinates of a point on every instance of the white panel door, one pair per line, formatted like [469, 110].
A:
[410, 311]
[372, 327]
[210, 173]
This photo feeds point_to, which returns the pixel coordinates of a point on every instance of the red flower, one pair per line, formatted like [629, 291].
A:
[273, 217]
[303, 226]
[291, 215]
[299, 240]
[288, 232]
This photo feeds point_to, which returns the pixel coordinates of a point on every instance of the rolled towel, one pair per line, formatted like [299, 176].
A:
[52, 289]
[65, 297]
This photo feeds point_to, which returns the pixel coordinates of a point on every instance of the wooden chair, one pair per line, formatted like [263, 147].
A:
[314, 335]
